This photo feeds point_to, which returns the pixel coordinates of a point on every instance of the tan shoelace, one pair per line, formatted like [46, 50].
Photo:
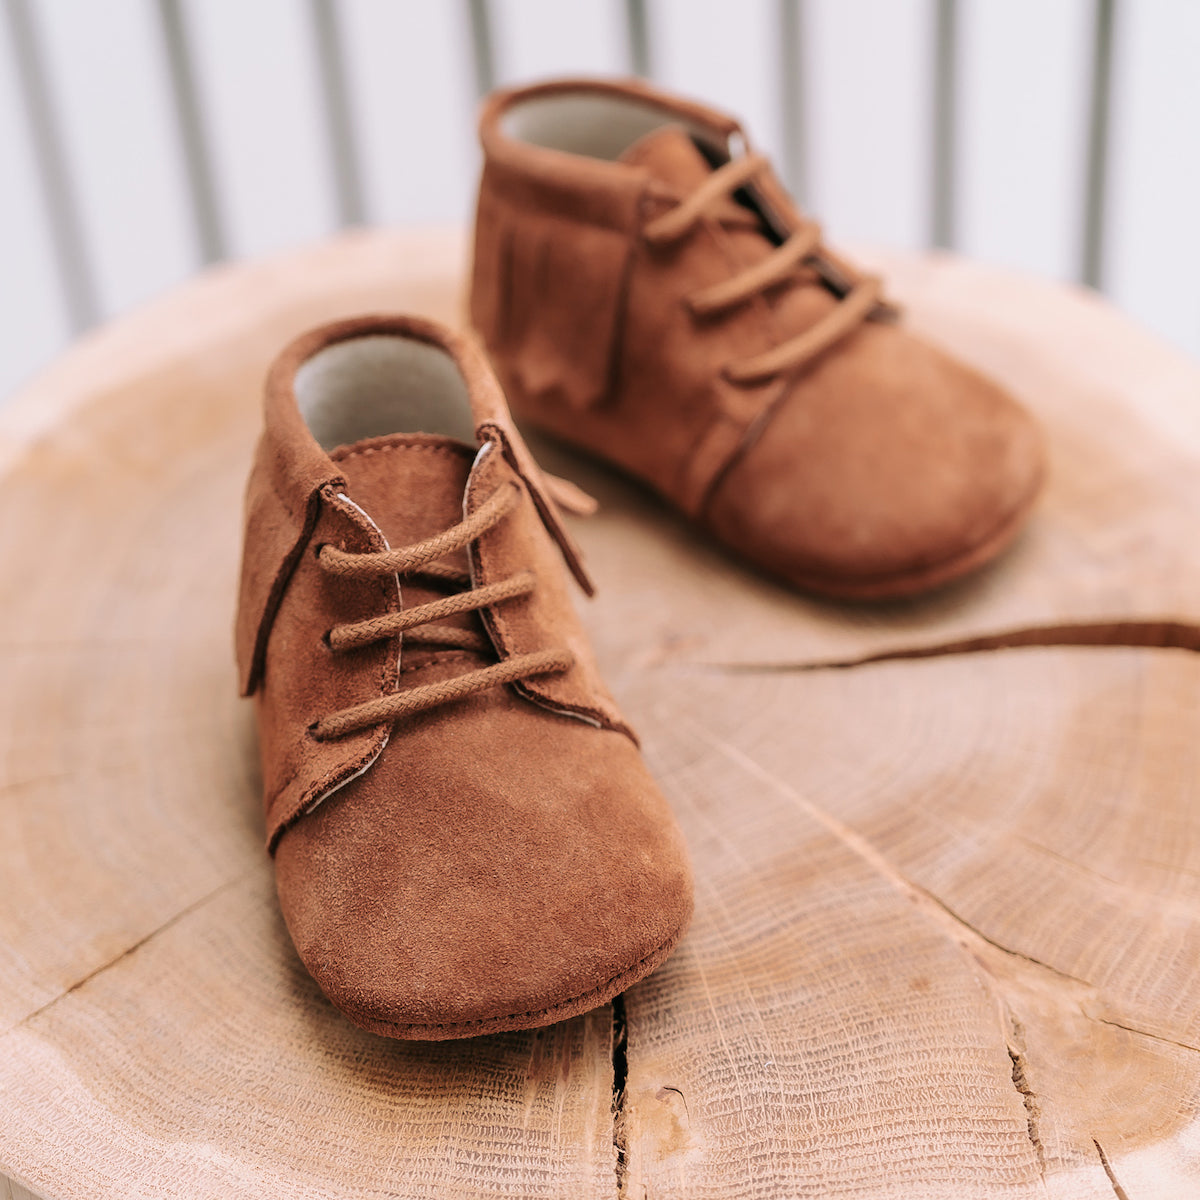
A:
[421, 559]
[854, 307]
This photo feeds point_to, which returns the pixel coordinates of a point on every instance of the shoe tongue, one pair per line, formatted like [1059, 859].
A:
[670, 155]
[412, 487]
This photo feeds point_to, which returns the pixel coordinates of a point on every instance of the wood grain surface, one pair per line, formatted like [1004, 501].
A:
[946, 939]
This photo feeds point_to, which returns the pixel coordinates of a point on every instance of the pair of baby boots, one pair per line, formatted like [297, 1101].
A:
[466, 839]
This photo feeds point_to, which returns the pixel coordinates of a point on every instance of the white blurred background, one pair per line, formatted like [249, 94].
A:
[140, 139]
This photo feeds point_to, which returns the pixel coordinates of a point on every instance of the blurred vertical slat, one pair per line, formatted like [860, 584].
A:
[1152, 255]
[207, 225]
[944, 126]
[1095, 208]
[122, 145]
[170, 132]
[1022, 132]
[539, 38]
[52, 176]
[258, 77]
[732, 61]
[483, 50]
[794, 112]
[868, 121]
[411, 92]
[339, 123]
[34, 314]
[637, 35]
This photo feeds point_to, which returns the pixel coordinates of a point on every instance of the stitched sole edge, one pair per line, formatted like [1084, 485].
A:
[571, 1007]
[926, 579]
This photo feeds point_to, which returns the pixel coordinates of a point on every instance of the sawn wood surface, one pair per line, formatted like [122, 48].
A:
[947, 935]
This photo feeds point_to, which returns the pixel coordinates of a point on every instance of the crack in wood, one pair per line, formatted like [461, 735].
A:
[1145, 635]
[1156, 1037]
[169, 923]
[1020, 1078]
[620, 1066]
[926, 901]
[1118, 1190]
[687, 1112]
[971, 941]
[33, 781]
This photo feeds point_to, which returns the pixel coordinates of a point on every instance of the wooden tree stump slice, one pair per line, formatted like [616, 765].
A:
[947, 939]
[947, 936]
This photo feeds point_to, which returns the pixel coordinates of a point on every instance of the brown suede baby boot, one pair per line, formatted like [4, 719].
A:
[466, 839]
[649, 292]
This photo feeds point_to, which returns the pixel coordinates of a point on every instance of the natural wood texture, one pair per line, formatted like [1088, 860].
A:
[946, 940]
[948, 934]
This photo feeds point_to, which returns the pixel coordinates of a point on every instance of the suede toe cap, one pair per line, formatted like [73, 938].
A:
[499, 882]
[882, 473]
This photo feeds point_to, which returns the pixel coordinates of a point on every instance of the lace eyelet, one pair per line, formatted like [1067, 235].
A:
[316, 552]
[327, 640]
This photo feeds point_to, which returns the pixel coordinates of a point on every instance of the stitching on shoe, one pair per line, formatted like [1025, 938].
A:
[449, 656]
[538, 1012]
[400, 442]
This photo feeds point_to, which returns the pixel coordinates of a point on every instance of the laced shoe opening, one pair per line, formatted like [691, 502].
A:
[379, 384]
[593, 125]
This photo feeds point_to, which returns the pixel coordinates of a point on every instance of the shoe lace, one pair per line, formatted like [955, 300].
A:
[805, 242]
[421, 559]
